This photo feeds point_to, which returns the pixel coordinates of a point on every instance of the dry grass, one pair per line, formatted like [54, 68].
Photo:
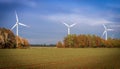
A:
[60, 58]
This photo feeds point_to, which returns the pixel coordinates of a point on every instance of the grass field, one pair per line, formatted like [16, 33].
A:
[60, 58]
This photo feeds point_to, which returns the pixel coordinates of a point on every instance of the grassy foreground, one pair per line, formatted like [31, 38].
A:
[60, 58]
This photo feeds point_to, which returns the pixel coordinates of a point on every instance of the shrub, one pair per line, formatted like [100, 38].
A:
[82, 41]
[59, 45]
[8, 40]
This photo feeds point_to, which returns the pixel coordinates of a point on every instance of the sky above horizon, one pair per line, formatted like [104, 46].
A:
[45, 18]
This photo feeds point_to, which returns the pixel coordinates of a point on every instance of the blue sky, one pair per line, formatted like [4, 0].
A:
[45, 18]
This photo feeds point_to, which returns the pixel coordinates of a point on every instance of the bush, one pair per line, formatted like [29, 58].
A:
[83, 41]
[8, 40]
[59, 45]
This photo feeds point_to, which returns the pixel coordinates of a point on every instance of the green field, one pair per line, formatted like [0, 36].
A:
[60, 58]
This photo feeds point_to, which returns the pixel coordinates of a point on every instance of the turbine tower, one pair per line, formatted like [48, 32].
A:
[69, 26]
[105, 31]
[16, 25]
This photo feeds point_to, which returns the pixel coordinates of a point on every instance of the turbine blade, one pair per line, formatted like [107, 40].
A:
[16, 16]
[110, 30]
[23, 24]
[13, 26]
[103, 33]
[73, 25]
[104, 26]
[65, 24]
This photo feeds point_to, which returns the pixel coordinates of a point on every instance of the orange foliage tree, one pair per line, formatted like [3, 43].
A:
[8, 40]
[82, 41]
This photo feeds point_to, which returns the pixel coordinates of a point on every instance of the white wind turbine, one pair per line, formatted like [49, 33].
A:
[16, 25]
[69, 26]
[105, 31]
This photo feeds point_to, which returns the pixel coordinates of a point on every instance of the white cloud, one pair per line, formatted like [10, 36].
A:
[41, 41]
[70, 18]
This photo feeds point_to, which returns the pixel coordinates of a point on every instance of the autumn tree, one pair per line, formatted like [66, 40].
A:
[22, 42]
[59, 44]
[82, 41]
[69, 41]
[9, 40]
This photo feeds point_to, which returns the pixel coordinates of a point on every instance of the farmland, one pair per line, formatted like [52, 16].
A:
[60, 58]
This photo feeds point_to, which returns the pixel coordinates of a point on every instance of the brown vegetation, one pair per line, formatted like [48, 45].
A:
[83, 41]
[8, 40]
[22, 43]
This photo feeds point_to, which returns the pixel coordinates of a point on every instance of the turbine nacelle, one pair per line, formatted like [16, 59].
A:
[16, 25]
[105, 31]
[69, 26]
[17, 22]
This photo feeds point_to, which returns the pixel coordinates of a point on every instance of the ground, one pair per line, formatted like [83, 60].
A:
[60, 58]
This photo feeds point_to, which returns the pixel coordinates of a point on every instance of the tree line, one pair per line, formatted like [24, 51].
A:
[8, 40]
[86, 41]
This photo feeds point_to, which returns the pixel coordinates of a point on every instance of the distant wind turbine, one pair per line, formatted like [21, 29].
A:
[16, 25]
[69, 26]
[105, 31]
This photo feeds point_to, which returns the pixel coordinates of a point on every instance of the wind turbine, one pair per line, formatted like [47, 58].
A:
[16, 25]
[69, 26]
[105, 31]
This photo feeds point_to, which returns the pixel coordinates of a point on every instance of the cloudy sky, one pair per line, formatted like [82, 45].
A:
[45, 18]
